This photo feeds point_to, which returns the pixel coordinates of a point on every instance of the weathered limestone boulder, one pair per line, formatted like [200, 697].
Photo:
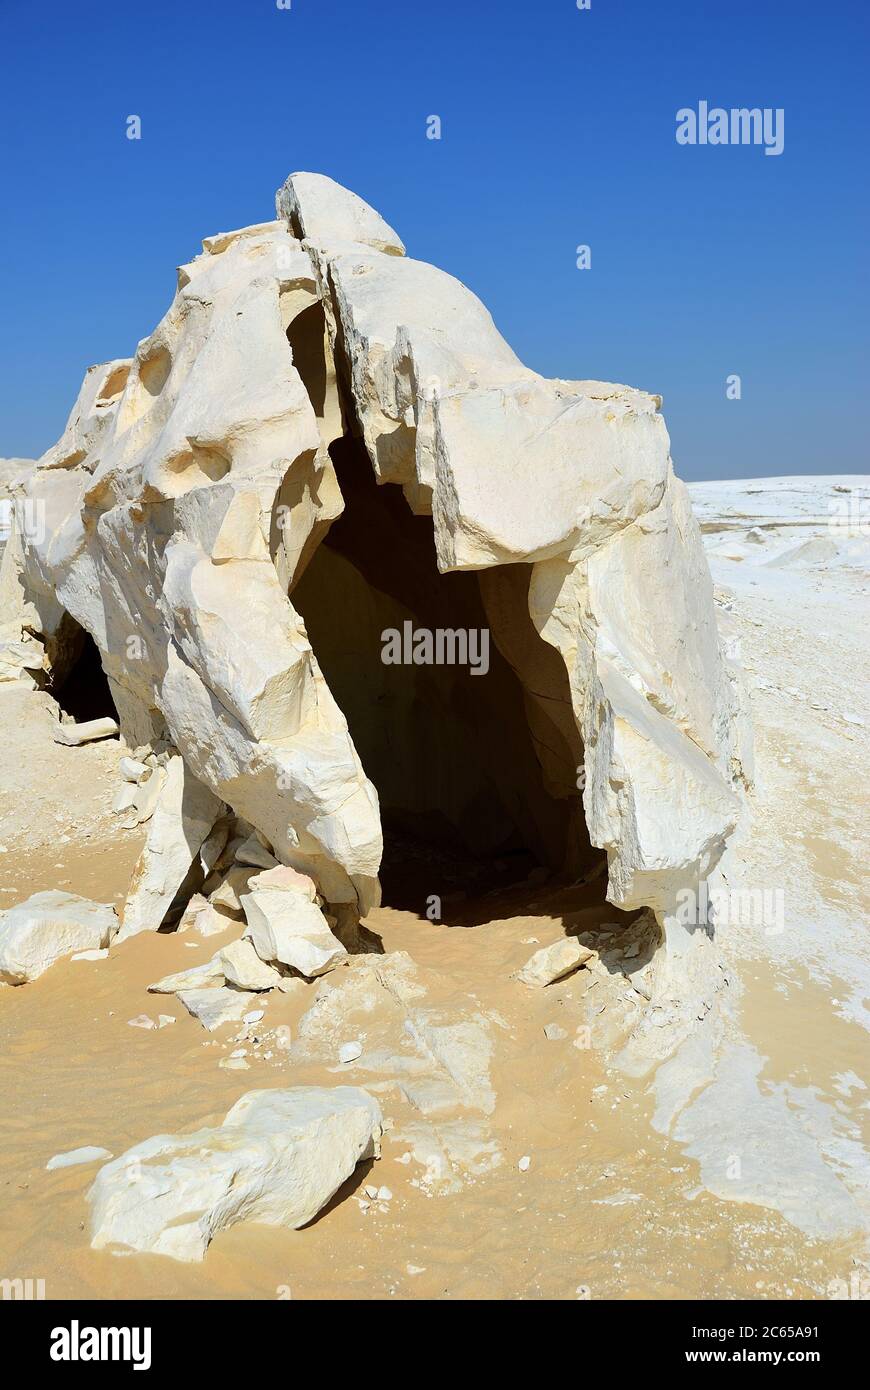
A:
[194, 488]
[285, 925]
[243, 968]
[48, 926]
[554, 962]
[277, 1159]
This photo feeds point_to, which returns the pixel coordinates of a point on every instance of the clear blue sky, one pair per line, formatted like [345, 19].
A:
[558, 129]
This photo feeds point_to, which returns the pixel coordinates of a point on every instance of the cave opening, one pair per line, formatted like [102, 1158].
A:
[475, 769]
[78, 682]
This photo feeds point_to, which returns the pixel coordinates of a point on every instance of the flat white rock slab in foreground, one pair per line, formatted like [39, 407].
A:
[278, 1158]
[47, 926]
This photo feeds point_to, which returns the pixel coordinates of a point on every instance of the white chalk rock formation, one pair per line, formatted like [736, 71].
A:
[277, 1159]
[47, 926]
[196, 481]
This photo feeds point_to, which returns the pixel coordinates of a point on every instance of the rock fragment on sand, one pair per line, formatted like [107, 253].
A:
[132, 770]
[213, 1007]
[74, 735]
[349, 1051]
[48, 926]
[286, 925]
[242, 967]
[208, 975]
[277, 1159]
[87, 1154]
[554, 962]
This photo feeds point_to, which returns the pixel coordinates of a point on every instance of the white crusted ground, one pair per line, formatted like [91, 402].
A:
[783, 1121]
